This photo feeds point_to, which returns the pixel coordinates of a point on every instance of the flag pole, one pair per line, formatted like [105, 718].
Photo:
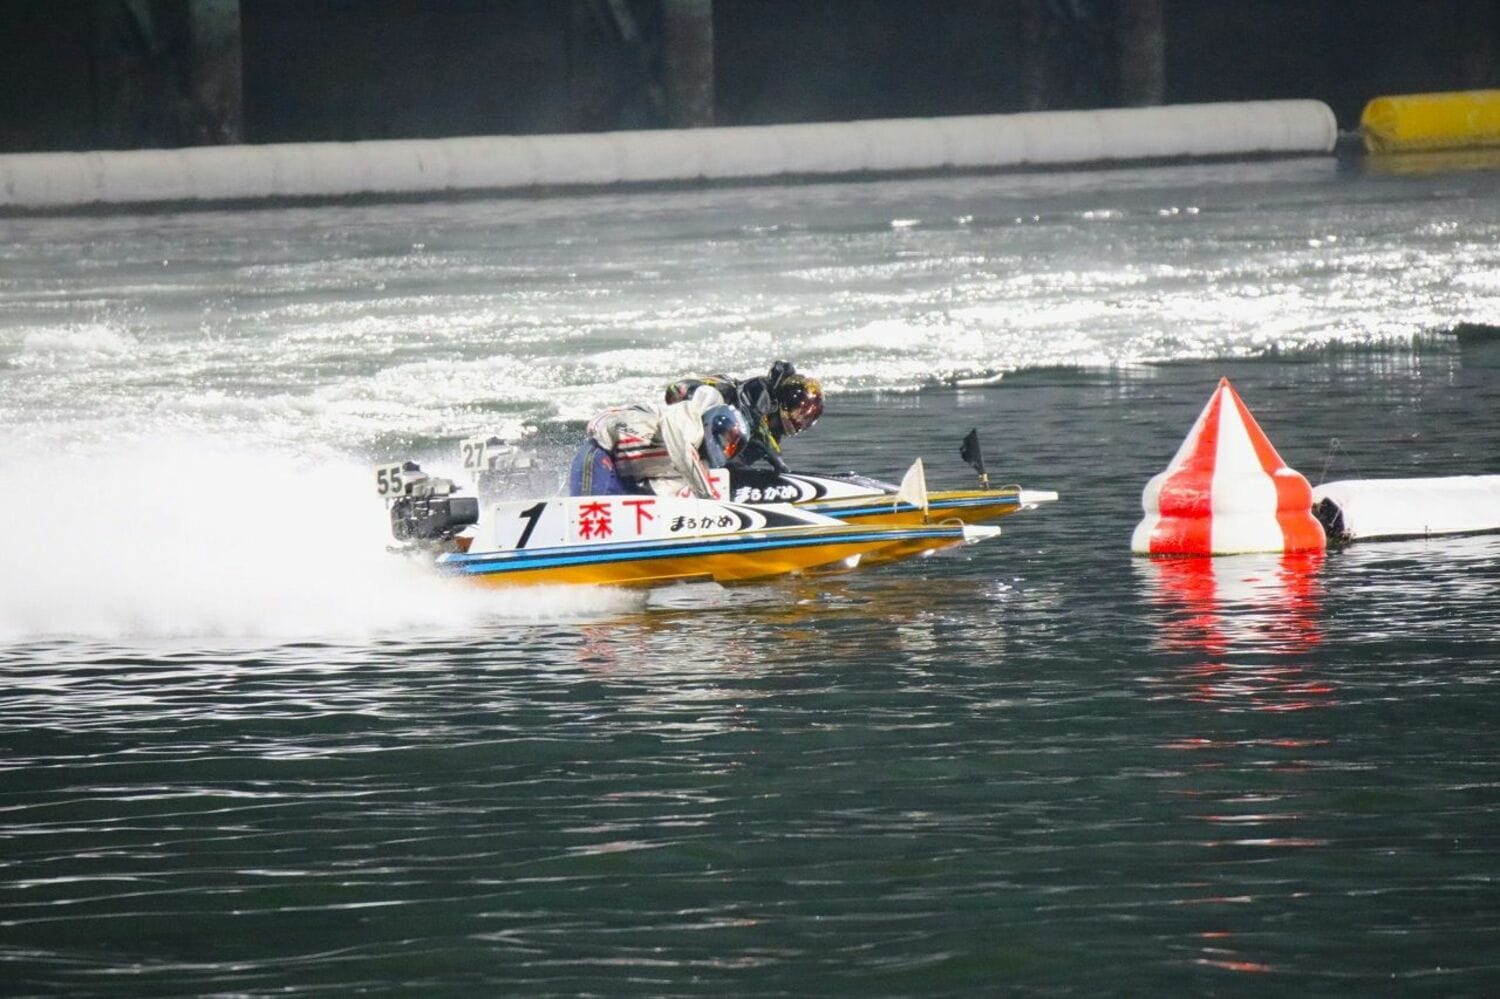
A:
[969, 452]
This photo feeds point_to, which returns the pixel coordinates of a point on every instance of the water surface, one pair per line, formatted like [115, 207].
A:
[244, 752]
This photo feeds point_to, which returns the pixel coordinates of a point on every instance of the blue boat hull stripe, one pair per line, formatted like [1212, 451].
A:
[490, 562]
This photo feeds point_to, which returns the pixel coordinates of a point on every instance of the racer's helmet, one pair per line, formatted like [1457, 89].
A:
[724, 433]
[799, 402]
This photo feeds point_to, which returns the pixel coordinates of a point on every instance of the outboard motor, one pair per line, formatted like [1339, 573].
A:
[498, 466]
[1331, 517]
[424, 510]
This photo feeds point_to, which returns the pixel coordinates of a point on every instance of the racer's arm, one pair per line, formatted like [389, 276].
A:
[756, 450]
[682, 433]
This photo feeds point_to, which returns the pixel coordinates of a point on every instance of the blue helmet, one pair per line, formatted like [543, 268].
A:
[724, 433]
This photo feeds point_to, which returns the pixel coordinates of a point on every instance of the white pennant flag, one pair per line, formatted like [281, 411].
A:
[913, 487]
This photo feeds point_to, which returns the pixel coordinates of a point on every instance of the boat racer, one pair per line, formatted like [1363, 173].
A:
[656, 448]
[775, 405]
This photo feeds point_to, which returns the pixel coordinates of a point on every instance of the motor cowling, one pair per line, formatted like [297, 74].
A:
[423, 508]
[432, 518]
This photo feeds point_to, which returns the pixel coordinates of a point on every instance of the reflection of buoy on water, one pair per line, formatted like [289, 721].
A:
[1249, 624]
[1227, 492]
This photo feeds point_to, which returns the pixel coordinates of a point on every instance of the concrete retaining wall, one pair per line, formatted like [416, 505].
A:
[500, 163]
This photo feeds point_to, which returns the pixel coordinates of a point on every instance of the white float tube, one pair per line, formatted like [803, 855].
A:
[1369, 509]
[522, 162]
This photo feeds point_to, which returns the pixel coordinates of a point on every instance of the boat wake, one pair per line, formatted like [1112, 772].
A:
[184, 539]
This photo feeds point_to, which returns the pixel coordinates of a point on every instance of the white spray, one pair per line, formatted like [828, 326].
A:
[190, 538]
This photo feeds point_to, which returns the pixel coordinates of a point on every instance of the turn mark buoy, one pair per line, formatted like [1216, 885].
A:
[1227, 492]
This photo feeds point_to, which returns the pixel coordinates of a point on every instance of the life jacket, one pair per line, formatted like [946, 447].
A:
[658, 444]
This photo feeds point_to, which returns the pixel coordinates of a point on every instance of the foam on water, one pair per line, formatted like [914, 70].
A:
[187, 538]
[352, 325]
[75, 343]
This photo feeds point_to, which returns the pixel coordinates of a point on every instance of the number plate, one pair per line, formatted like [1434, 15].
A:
[390, 480]
[475, 453]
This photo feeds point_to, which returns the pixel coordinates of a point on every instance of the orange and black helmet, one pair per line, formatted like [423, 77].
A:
[799, 402]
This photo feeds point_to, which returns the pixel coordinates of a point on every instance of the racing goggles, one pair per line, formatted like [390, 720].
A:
[732, 441]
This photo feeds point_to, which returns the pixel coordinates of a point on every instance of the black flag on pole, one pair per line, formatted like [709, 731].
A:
[969, 451]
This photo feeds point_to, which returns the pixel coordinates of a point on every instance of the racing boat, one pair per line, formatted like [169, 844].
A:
[651, 540]
[766, 525]
[636, 540]
[862, 500]
[498, 466]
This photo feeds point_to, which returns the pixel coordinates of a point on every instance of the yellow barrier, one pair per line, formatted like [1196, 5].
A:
[1464, 119]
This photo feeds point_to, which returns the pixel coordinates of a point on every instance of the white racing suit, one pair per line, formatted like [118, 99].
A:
[657, 445]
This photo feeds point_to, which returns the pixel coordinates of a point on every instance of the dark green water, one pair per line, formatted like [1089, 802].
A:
[1040, 767]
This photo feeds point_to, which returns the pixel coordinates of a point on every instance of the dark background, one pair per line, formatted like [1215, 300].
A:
[86, 74]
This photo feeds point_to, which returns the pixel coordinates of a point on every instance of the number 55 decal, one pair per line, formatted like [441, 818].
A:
[389, 480]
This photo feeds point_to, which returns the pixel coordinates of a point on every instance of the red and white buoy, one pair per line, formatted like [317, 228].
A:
[1227, 492]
